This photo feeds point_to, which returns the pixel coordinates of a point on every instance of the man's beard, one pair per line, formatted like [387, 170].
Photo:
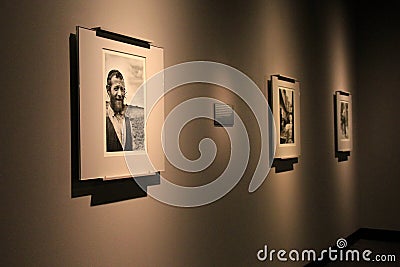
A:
[117, 105]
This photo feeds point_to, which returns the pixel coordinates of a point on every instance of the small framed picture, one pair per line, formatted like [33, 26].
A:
[114, 105]
[344, 123]
[284, 97]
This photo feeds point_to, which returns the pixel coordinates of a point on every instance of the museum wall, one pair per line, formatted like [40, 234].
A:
[310, 206]
[378, 83]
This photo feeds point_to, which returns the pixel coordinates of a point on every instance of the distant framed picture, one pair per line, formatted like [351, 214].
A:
[284, 97]
[114, 104]
[344, 122]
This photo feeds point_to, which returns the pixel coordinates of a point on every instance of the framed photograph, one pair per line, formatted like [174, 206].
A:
[284, 97]
[114, 104]
[344, 123]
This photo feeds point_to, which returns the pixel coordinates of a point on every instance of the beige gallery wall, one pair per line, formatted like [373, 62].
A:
[310, 206]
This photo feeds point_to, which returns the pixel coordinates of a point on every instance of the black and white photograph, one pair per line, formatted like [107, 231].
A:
[284, 98]
[124, 103]
[344, 127]
[344, 120]
[286, 110]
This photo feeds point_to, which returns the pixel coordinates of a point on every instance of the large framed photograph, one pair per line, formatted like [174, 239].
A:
[285, 100]
[344, 123]
[114, 104]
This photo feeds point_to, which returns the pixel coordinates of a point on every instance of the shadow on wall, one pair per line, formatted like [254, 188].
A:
[284, 165]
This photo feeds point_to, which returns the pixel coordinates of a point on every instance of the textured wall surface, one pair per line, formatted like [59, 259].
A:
[309, 207]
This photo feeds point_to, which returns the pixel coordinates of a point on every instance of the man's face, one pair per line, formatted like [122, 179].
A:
[117, 94]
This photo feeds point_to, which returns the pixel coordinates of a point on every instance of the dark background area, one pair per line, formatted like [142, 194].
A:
[378, 82]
